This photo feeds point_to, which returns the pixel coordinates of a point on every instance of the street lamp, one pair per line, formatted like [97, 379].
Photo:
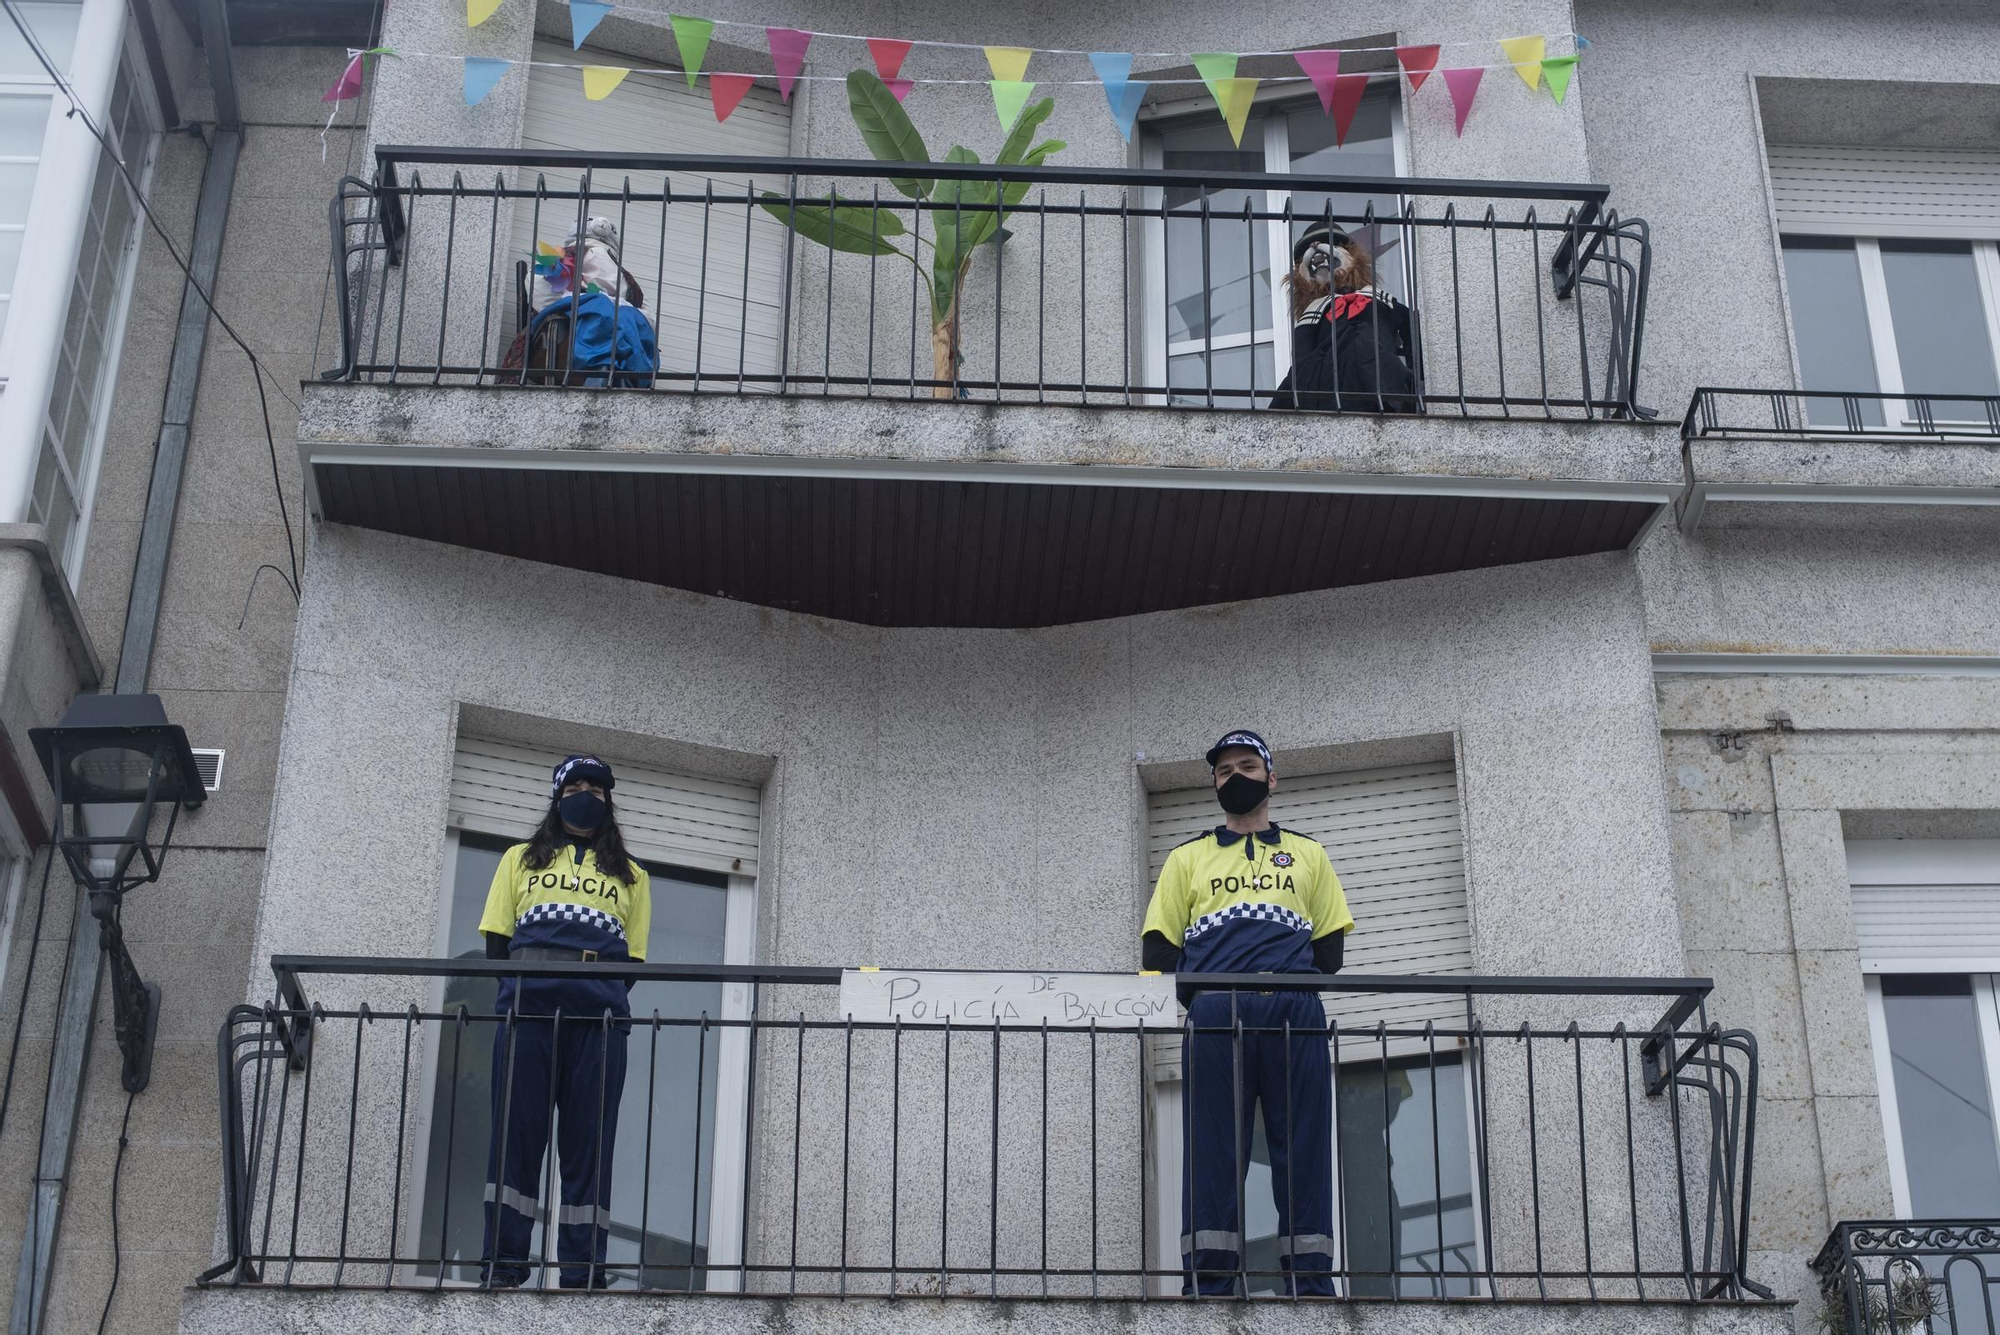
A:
[112, 762]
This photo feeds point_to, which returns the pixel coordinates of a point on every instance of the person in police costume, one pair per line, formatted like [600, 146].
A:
[570, 893]
[1249, 897]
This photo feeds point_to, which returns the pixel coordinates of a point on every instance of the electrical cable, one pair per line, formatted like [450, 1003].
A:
[117, 1167]
[261, 372]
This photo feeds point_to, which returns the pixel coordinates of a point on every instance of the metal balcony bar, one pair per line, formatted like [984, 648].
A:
[1516, 1157]
[1901, 1276]
[1753, 413]
[1073, 304]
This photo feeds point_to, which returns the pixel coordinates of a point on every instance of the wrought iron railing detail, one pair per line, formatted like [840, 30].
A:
[1525, 300]
[1895, 1277]
[1790, 413]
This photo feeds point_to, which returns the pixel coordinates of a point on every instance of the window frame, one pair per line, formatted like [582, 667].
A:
[1275, 104]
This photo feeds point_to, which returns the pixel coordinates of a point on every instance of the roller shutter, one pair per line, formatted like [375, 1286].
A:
[1952, 193]
[1926, 905]
[503, 788]
[654, 113]
[1395, 840]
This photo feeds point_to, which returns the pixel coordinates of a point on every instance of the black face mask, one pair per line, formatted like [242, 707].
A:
[582, 811]
[1240, 794]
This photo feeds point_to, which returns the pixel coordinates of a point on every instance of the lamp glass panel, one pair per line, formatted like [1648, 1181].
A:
[113, 768]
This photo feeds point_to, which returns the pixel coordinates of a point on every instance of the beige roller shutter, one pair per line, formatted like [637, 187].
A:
[1395, 840]
[1946, 192]
[1926, 905]
[502, 788]
[664, 249]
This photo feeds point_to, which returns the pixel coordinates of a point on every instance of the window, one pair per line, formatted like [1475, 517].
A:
[72, 433]
[1223, 321]
[25, 94]
[702, 914]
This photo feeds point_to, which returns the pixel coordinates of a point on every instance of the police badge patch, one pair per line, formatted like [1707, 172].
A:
[1281, 859]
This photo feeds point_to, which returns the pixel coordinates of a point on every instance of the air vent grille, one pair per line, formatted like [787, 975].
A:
[208, 761]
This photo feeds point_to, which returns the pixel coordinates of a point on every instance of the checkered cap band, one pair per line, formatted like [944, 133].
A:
[580, 767]
[1242, 737]
[1247, 912]
[577, 913]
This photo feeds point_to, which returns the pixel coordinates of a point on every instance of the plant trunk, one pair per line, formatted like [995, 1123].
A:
[944, 352]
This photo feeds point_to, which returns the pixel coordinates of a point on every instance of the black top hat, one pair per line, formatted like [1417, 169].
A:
[1317, 232]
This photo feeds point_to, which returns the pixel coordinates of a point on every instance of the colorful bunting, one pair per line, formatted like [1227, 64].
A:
[1582, 42]
[727, 90]
[691, 36]
[478, 11]
[1214, 67]
[1526, 55]
[481, 74]
[1557, 70]
[788, 56]
[584, 15]
[1114, 68]
[1417, 63]
[1233, 97]
[1339, 94]
[599, 80]
[1008, 63]
[889, 54]
[348, 84]
[1322, 67]
[1464, 86]
[1009, 96]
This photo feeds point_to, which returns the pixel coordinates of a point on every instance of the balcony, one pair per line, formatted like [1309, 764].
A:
[1766, 446]
[819, 434]
[793, 1134]
[1898, 1276]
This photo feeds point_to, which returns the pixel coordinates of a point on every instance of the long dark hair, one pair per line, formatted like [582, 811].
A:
[606, 842]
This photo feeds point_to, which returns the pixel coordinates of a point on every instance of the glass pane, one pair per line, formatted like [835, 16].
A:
[1370, 151]
[21, 122]
[56, 504]
[688, 915]
[54, 24]
[76, 432]
[1941, 339]
[10, 258]
[1238, 291]
[1941, 1095]
[1830, 322]
[1232, 378]
[1405, 1208]
[17, 184]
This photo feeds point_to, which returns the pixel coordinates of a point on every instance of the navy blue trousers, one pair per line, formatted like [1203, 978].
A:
[1227, 1078]
[579, 1075]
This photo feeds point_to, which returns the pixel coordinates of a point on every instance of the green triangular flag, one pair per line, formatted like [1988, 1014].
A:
[1215, 66]
[1557, 70]
[1009, 96]
[691, 36]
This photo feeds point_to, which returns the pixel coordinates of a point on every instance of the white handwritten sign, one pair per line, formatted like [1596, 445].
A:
[1064, 1000]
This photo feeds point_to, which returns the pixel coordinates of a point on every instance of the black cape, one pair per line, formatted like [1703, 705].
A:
[1354, 358]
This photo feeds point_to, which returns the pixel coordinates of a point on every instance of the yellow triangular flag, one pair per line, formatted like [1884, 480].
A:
[1009, 63]
[599, 80]
[1234, 97]
[478, 11]
[1526, 53]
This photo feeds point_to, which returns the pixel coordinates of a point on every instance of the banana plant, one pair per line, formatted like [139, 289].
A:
[964, 217]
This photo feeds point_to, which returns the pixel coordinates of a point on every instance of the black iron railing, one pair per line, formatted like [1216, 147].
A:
[1104, 285]
[1897, 1277]
[1791, 412]
[1535, 1149]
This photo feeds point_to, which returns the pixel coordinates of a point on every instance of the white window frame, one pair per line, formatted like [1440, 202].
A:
[1152, 233]
[729, 1150]
[1882, 329]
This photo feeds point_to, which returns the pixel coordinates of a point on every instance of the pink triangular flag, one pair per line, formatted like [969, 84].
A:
[1346, 100]
[726, 90]
[899, 87]
[348, 85]
[1322, 67]
[788, 56]
[1464, 86]
[1417, 62]
[888, 53]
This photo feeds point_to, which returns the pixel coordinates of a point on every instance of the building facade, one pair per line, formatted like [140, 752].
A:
[1608, 659]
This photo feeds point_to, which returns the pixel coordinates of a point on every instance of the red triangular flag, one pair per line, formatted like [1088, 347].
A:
[1322, 67]
[899, 87]
[1346, 100]
[888, 53]
[1417, 62]
[726, 90]
[1464, 86]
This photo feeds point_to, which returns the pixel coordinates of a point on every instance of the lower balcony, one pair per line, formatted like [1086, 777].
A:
[1894, 1276]
[799, 1148]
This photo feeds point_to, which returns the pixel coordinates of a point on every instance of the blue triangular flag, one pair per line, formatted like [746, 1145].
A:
[1120, 93]
[481, 74]
[1582, 42]
[583, 16]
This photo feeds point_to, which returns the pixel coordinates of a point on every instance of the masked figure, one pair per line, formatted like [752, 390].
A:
[1351, 341]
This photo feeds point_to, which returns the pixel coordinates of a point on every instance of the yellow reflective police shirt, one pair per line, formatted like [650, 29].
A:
[1248, 904]
[569, 904]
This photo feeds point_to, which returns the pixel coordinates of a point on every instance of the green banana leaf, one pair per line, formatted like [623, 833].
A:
[858, 229]
[886, 129]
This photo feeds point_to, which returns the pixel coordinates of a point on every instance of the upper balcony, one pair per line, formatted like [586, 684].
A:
[961, 394]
